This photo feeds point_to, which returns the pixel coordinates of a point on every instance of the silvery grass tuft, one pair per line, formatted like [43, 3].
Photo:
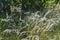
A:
[36, 26]
[43, 27]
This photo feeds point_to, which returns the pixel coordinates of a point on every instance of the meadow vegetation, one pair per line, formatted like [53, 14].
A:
[29, 20]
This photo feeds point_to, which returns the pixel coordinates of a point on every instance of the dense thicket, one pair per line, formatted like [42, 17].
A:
[37, 4]
[16, 25]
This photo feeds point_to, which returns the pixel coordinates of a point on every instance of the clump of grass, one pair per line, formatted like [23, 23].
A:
[37, 27]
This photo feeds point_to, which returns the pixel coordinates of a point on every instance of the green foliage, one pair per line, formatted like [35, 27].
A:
[57, 28]
[51, 3]
[37, 4]
[12, 2]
